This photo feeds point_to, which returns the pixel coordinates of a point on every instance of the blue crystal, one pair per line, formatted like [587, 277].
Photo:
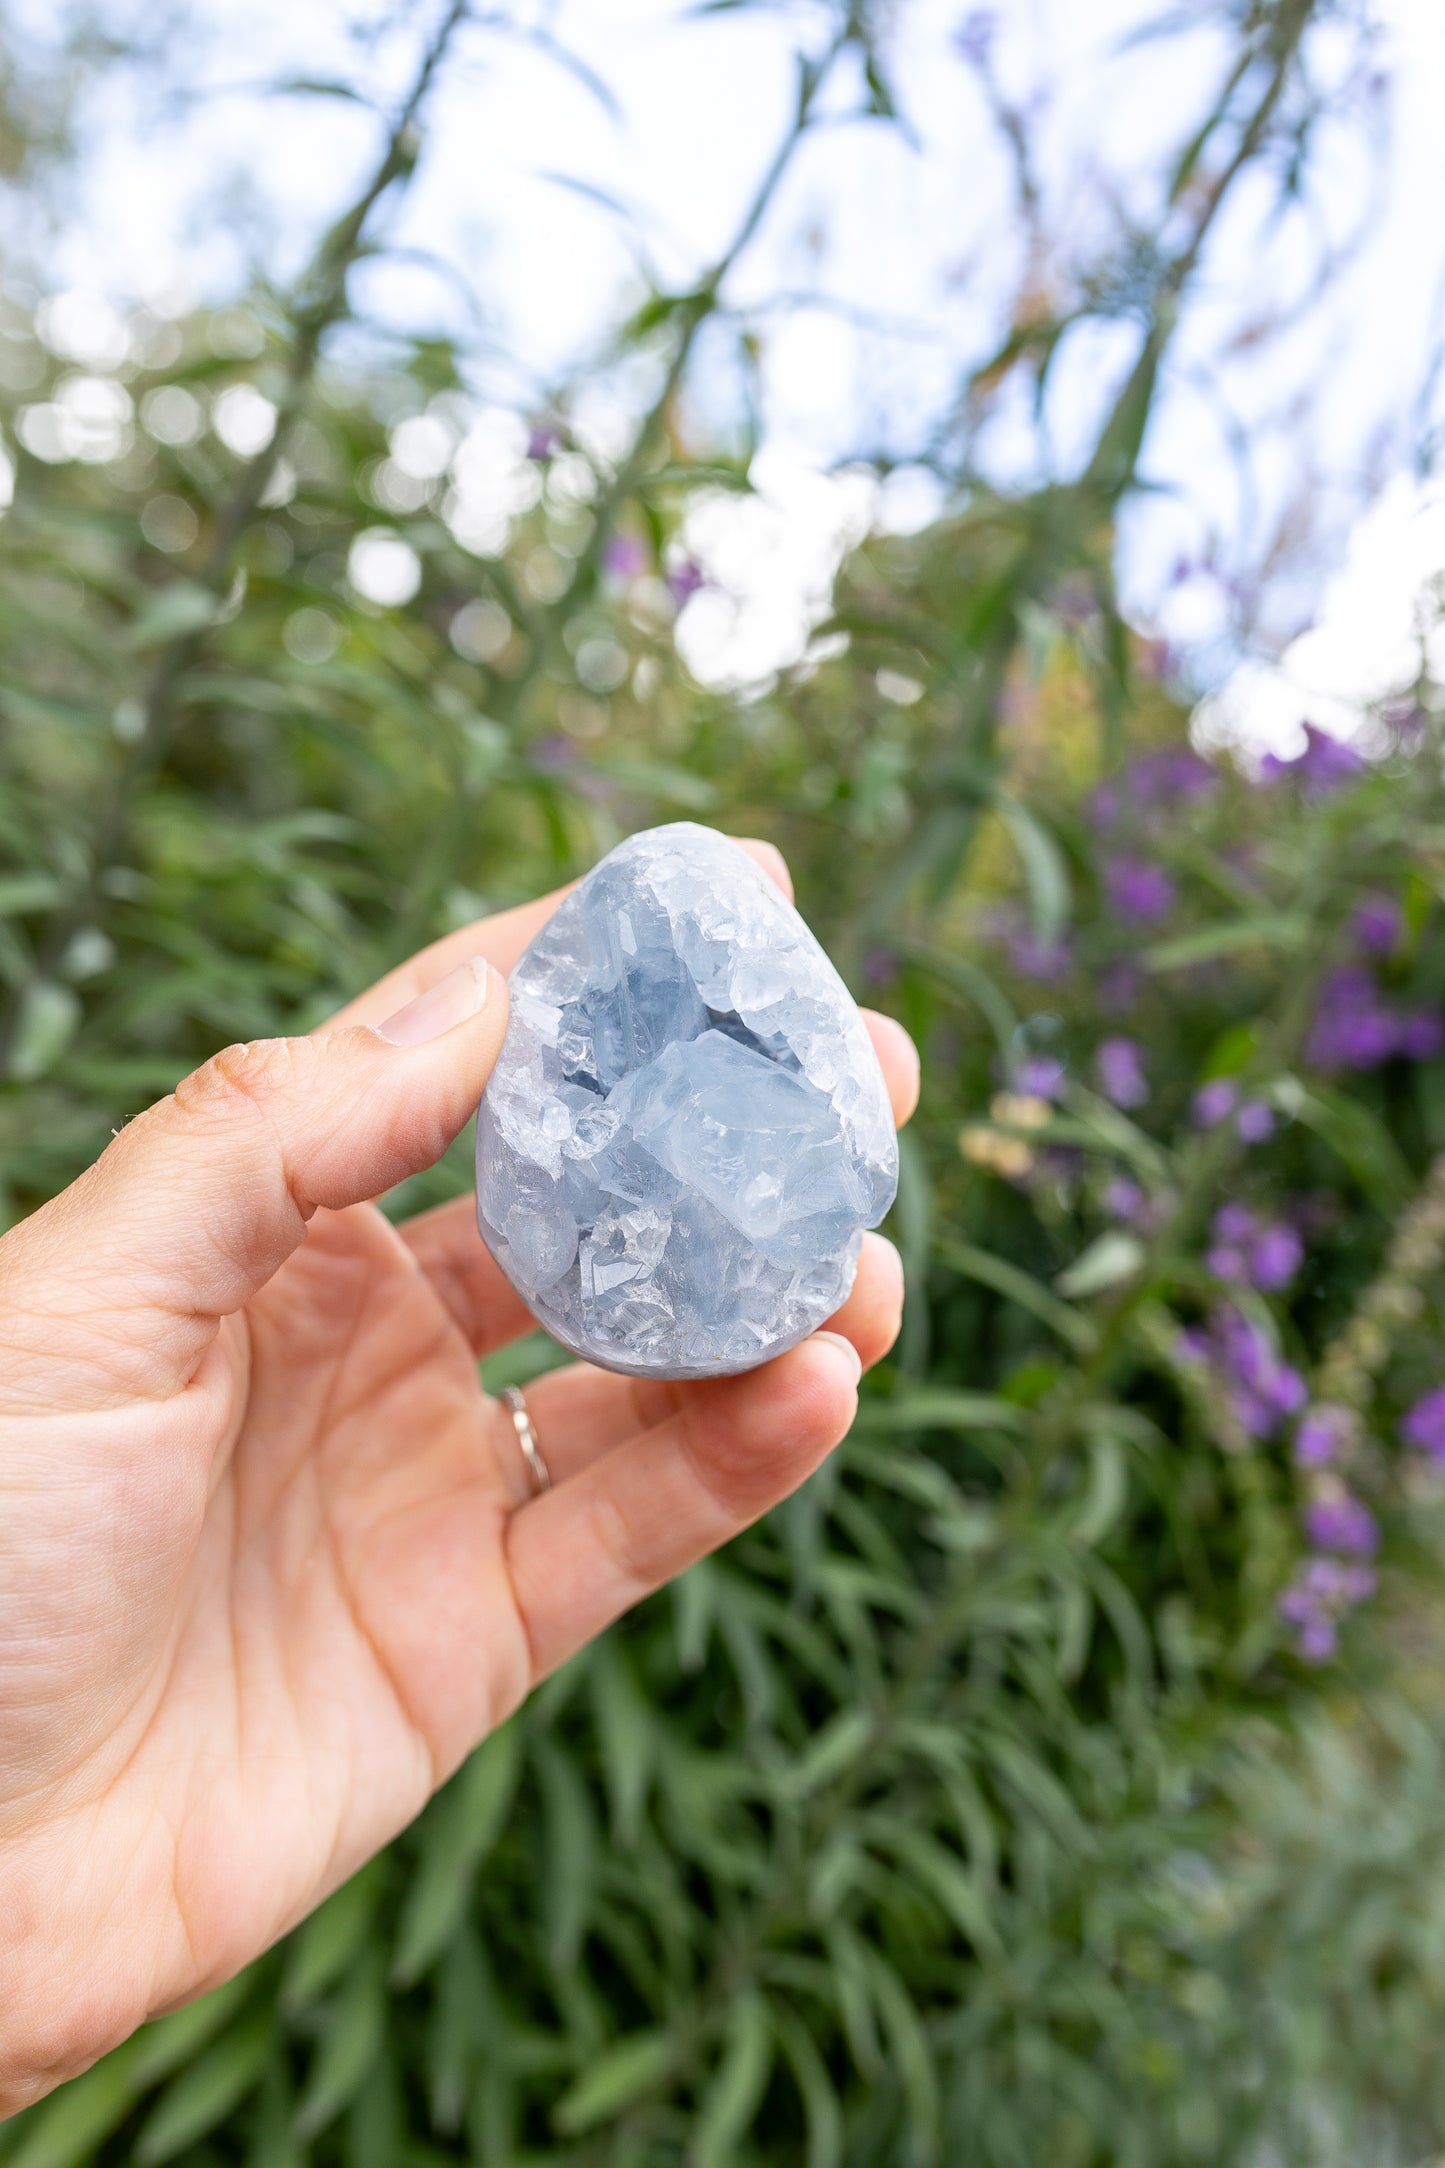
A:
[688, 1130]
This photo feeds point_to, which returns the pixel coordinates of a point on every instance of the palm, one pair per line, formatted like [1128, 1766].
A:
[320, 1643]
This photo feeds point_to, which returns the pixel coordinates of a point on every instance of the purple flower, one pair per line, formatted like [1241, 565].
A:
[1323, 1589]
[1376, 923]
[1138, 890]
[684, 580]
[1275, 1256]
[1419, 1034]
[1214, 1102]
[1326, 765]
[1351, 1028]
[1262, 1388]
[1122, 1198]
[880, 967]
[973, 39]
[1045, 961]
[1322, 1434]
[625, 557]
[1119, 1067]
[545, 441]
[1040, 1077]
[1337, 1521]
[1254, 1123]
[1176, 776]
[1423, 1425]
[1154, 783]
[1264, 1253]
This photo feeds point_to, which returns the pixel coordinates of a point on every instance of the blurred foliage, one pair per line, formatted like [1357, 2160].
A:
[975, 1808]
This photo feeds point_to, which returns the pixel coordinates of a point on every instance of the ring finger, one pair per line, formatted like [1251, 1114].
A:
[580, 1412]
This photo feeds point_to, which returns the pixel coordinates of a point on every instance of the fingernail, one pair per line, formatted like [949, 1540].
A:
[847, 1350]
[461, 994]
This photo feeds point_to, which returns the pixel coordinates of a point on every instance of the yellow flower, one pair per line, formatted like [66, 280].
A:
[1020, 1110]
[984, 1147]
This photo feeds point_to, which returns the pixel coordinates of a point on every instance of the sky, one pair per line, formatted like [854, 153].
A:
[884, 268]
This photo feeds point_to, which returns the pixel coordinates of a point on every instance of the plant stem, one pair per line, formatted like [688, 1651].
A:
[448, 847]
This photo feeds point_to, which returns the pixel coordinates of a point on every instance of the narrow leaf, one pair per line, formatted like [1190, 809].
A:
[205, 2093]
[621, 2074]
[732, 2099]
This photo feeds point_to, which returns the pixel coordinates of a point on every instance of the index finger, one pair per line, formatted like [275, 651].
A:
[501, 939]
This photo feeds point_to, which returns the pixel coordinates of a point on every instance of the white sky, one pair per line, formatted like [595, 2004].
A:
[919, 234]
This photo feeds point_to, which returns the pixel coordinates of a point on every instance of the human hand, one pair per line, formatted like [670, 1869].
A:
[269, 1562]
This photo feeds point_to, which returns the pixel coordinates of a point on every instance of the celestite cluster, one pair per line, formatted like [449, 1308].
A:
[687, 1130]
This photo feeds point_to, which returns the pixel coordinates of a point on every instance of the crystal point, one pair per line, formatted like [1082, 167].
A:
[687, 1130]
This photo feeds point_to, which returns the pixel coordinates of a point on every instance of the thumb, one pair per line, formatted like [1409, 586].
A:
[116, 1286]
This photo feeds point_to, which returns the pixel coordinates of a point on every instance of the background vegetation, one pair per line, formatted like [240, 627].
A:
[1059, 1776]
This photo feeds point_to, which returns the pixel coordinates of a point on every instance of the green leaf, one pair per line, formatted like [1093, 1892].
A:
[205, 2093]
[170, 2041]
[694, 1602]
[1287, 930]
[179, 610]
[656, 779]
[64, 2131]
[1233, 1050]
[835, 1748]
[625, 1730]
[460, 1828]
[20, 892]
[946, 1878]
[323, 1948]
[1043, 864]
[621, 2074]
[910, 2055]
[962, 976]
[1020, 1287]
[1107, 1493]
[936, 1410]
[732, 2099]
[49, 1018]
[911, 1224]
[350, 2036]
[569, 1851]
[1115, 1256]
[1353, 1133]
[822, 2111]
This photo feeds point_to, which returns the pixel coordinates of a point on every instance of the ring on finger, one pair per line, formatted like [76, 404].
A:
[539, 1474]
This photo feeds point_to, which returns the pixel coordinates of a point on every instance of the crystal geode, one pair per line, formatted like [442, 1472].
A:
[687, 1130]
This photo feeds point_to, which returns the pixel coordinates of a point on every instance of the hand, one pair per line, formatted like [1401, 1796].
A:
[269, 1565]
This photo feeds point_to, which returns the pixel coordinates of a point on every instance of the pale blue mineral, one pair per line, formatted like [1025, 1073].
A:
[688, 1130]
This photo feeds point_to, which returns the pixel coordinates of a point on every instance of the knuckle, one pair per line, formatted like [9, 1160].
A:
[250, 1076]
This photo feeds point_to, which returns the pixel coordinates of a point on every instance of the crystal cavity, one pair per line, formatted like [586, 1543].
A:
[687, 1130]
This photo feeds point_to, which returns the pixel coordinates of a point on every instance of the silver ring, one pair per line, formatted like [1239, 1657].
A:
[526, 1430]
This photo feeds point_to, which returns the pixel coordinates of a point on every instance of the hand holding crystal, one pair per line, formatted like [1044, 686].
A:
[271, 1562]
